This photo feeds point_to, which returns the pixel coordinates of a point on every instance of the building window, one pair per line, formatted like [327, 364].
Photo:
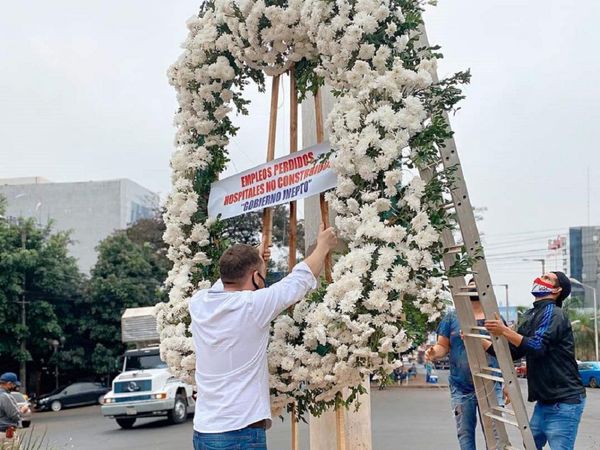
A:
[138, 212]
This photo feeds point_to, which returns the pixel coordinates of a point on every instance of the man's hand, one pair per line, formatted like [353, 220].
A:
[506, 396]
[496, 327]
[326, 238]
[25, 409]
[265, 253]
[326, 241]
[430, 354]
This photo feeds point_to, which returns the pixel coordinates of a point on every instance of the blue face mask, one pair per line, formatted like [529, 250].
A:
[541, 288]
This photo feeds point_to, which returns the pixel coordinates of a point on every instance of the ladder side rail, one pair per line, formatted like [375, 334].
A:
[471, 239]
[485, 391]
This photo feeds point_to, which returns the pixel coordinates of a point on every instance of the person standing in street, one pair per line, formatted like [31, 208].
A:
[545, 338]
[462, 391]
[231, 329]
[10, 414]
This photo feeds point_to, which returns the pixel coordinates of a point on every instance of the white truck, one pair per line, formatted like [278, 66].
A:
[145, 388]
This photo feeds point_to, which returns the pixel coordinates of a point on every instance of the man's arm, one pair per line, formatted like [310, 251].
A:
[439, 350]
[442, 346]
[268, 303]
[535, 345]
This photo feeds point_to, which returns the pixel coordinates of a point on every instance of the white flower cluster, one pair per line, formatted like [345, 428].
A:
[356, 328]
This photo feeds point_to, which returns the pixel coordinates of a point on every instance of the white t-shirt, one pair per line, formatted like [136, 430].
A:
[231, 333]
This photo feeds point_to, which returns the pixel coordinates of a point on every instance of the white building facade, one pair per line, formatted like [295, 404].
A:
[90, 210]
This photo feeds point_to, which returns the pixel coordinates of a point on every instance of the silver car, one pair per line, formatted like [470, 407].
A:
[22, 400]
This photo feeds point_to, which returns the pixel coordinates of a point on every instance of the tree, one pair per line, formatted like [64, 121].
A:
[129, 273]
[34, 268]
[583, 328]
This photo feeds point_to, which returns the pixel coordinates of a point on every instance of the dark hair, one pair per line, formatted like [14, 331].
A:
[237, 261]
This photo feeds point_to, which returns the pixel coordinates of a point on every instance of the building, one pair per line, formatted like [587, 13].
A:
[90, 210]
[584, 250]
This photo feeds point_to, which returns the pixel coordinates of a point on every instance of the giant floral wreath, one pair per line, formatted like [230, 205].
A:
[387, 122]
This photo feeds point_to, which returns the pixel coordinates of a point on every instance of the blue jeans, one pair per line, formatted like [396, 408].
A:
[244, 439]
[556, 424]
[465, 413]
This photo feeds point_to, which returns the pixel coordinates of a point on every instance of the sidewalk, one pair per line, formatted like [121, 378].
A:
[415, 383]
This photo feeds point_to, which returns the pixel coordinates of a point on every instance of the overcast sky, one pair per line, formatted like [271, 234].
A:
[84, 96]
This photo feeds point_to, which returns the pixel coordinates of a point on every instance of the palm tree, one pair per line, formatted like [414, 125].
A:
[583, 328]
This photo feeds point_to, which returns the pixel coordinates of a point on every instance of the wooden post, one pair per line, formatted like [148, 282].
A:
[357, 423]
[340, 427]
[267, 230]
[323, 203]
[293, 229]
[293, 148]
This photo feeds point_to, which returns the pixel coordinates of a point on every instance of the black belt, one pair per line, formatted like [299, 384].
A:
[573, 400]
[260, 424]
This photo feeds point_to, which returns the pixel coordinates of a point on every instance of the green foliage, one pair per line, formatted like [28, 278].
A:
[128, 274]
[62, 305]
[583, 328]
[34, 267]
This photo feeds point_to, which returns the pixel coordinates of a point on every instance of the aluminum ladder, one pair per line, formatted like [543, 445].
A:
[494, 417]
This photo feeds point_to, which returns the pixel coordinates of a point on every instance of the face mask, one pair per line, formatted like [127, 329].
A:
[255, 284]
[542, 288]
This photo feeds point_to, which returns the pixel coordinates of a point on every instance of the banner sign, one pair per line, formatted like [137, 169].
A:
[293, 177]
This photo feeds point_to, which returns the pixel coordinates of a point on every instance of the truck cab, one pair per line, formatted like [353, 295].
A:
[146, 388]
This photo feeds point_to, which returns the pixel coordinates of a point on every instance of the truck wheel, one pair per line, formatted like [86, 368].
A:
[56, 406]
[179, 412]
[126, 424]
[593, 383]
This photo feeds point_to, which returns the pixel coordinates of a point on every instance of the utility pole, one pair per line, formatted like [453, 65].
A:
[505, 286]
[23, 367]
[541, 260]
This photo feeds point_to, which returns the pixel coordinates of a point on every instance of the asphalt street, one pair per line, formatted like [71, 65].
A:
[403, 418]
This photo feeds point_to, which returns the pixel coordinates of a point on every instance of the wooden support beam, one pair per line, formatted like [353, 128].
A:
[293, 228]
[323, 203]
[340, 427]
[267, 231]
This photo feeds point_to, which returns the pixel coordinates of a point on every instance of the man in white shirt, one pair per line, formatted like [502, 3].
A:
[231, 327]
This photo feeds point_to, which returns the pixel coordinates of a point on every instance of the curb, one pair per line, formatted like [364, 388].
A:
[411, 386]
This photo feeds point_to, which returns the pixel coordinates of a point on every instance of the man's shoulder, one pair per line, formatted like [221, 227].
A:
[207, 299]
[450, 316]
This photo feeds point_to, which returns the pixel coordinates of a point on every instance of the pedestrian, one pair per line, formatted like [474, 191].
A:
[412, 371]
[10, 414]
[231, 328]
[462, 392]
[545, 338]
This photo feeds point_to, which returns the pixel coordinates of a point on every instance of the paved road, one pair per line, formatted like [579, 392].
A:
[416, 419]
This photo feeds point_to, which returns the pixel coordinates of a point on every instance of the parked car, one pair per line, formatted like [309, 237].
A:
[442, 363]
[23, 400]
[590, 373]
[76, 394]
[521, 370]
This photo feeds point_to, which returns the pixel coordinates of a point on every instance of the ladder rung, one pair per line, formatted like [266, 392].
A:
[501, 419]
[466, 294]
[449, 205]
[489, 377]
[504, 410]
[434, 164]
[479, 329]
[492, 369]
[476, 335]
[454, 249]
